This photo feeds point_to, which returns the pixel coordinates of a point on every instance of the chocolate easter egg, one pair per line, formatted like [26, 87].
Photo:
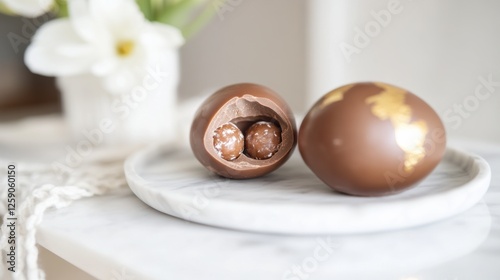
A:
[243, 131]
[371, 139]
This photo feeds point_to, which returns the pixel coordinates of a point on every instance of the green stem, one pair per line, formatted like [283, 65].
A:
[5, 10]
[204, 17]
[145, 7]
[60, 8]
[178, 13]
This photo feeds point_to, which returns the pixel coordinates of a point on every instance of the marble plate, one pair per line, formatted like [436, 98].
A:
[293, 201]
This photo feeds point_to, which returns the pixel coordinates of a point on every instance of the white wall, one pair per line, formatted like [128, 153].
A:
[258, 41]
[436, 49]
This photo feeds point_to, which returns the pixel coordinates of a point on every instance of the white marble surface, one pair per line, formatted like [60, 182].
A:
[292, 200]
[119, 237]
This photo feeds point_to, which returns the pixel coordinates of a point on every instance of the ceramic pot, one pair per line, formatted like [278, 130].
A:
[143, 114]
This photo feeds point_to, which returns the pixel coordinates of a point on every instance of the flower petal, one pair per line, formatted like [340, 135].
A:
[81, 20]
[29, 8]
[122, 18]
[57, 50]
[163, 36]
[104, 67]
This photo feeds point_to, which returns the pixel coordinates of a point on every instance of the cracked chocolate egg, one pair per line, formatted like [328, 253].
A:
[243, 131]
[371, 139]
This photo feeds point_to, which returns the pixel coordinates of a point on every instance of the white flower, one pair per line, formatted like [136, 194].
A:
[110, 39]
[29, 8]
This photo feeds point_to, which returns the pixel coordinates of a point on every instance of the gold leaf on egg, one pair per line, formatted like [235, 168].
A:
[410, 136]
[335, 95]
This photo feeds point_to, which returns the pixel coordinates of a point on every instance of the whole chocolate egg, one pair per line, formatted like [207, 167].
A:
[371, 139]
[243, 131]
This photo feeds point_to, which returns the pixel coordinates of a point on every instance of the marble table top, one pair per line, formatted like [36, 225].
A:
[293, 201]
[117, 236]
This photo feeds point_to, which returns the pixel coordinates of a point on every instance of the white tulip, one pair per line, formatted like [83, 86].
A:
[110, 39]
[29, 8]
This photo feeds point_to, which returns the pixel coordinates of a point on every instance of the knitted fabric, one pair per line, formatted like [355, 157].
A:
[40, 188]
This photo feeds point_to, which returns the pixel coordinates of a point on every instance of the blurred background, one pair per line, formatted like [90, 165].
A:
[440, 50]
[446, 51]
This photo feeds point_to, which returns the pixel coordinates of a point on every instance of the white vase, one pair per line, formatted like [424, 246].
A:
[142, 115]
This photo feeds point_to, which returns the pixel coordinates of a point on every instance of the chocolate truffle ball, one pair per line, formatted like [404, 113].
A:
[265, 120]
[371, 139]
[262, 140]
[228, 141]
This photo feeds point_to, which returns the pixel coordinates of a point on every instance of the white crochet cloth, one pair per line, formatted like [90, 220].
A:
[40, 187]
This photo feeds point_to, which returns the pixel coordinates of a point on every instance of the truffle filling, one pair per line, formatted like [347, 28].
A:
[261, 140]
[243, 113]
